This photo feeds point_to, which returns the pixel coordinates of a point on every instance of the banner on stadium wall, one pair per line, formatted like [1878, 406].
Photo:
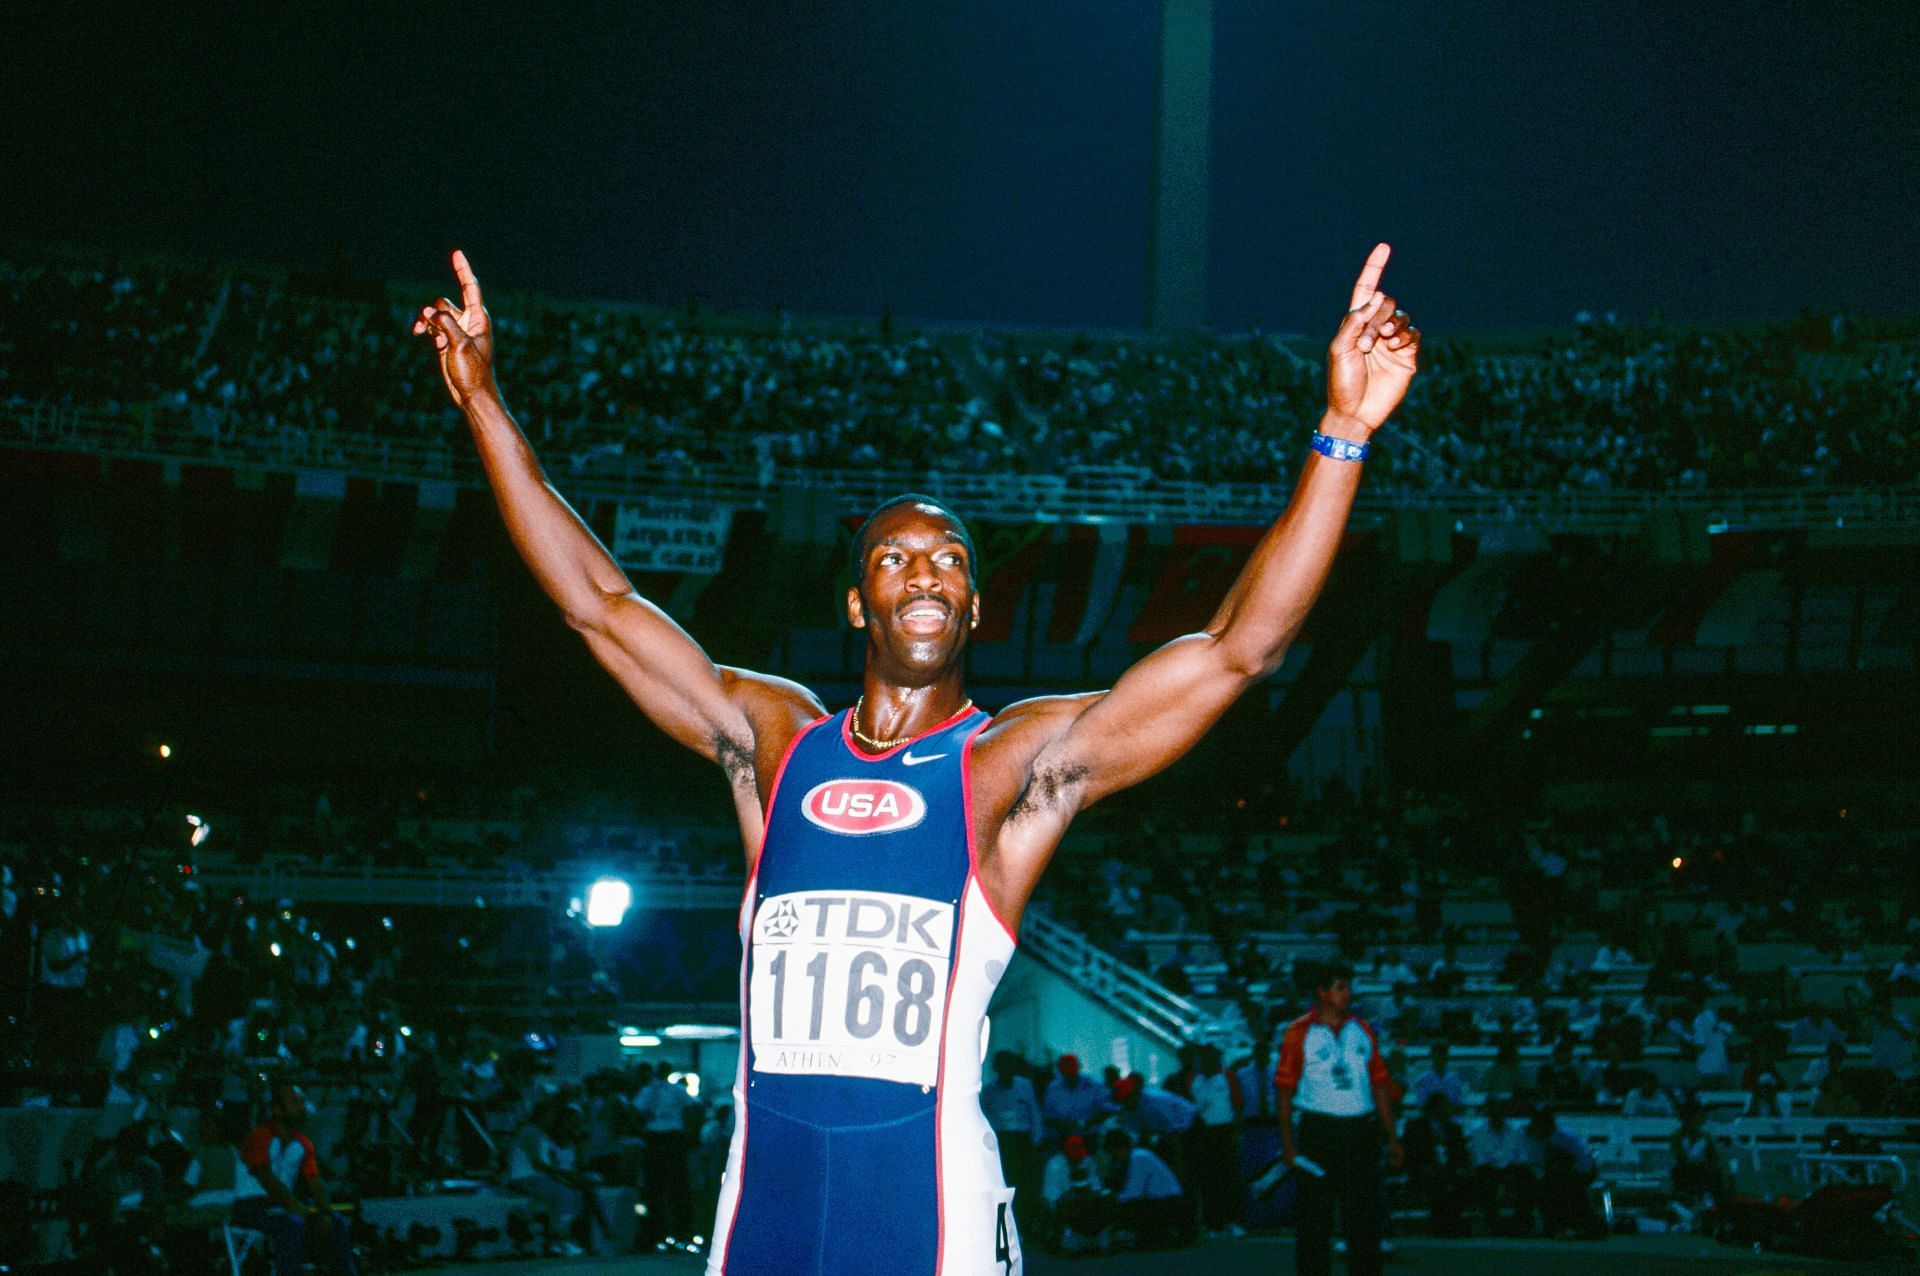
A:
[660, 534]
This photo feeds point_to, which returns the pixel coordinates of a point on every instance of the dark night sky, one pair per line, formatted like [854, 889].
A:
[989, 159]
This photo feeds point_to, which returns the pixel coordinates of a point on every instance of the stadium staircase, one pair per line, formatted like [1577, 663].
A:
[1136, 998]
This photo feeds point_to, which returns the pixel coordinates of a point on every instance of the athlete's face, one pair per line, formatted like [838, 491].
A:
[915, 598]
[1337, 996]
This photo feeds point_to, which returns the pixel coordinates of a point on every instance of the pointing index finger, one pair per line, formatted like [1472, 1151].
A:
[469, 283]
[1369, 281]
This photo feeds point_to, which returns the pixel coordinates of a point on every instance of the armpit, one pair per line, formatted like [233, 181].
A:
[736, 761]
[1047, 789]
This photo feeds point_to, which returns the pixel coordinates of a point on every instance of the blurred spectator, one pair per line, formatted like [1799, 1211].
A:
[1073, 1103]
[1611, 956]
[1147, 1197]
[1503, 1181]
[1707, 1034]
[1014, 1115]
[1503, 1078]
[540, 1165]
[1767, 1097]
[1079, 1206]
[281, 1164]
[1562, 1168]
[1645, 1097]
[1213, 1142]
[1255, 1078]
[1151, 1111]
[664, 1104]
[1562, 1081]
[1699, 1173]
[1439, 1166]
[1890, 1039]
[1438, 1079]
[1826, 1067]
[1816, 1028]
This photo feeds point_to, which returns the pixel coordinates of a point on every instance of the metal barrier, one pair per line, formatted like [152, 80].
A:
[1807, 1135]
[1817, 1169]
[1075, 495]
[1142, 999]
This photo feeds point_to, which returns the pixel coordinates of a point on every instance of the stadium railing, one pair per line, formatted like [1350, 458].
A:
[1148, 1003]
[1071, 496]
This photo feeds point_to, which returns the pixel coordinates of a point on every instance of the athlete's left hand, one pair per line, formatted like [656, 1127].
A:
[1374, 353]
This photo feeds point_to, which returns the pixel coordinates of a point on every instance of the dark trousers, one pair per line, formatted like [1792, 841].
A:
[1019, 1162]
[668, 1182]
[1348, 1149]
[289, 1235]
[1213, 1165]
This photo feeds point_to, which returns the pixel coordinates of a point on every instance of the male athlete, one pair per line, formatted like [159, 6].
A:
[892, 848]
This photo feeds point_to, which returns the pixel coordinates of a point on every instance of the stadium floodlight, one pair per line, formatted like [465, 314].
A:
[607, 901]
[202, 830]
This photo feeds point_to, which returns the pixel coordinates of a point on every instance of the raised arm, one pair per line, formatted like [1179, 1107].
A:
[721, 714]
[1088, 747]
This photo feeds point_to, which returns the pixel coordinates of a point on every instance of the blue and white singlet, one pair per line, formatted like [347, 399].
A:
[870, 954]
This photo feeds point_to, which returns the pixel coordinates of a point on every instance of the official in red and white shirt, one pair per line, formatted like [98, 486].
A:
[1332, 1071]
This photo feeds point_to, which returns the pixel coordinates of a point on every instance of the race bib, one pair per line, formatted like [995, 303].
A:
[850, 984]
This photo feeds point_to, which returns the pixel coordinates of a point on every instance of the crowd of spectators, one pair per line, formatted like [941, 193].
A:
[192, 1015]
[266, 367]
[1610, 984]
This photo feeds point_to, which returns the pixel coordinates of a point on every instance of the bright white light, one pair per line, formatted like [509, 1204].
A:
[607, 901]
[154, 1033]
[405, 1031]
[274, 948]
[202, 830]
[699, 1032]
[638, 1040]
[166, 750]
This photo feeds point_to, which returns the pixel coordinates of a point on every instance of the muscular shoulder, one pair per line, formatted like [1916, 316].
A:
[775, 710]
[1013, 771]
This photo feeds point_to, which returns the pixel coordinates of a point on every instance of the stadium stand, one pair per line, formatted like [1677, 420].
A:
[223, 477]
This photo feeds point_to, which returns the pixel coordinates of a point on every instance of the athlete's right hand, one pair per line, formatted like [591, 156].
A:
[463, 336]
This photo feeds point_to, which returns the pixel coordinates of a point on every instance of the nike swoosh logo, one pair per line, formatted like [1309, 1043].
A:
[910, 760]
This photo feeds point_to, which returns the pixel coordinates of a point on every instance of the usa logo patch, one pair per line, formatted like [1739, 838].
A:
[860, 807]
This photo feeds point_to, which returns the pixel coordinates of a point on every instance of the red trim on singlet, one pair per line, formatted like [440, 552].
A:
[846, 734]
[940, 1089]
[746, 922]
[946, 1009]
[973, 853]
[773, 791]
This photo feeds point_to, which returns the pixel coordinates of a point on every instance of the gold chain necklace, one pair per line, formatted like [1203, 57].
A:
[881, 746]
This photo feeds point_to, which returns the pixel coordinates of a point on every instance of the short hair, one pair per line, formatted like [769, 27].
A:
[1332, 972]
[964, 536]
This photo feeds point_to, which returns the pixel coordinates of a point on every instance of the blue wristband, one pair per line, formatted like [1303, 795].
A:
[1339, 449]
